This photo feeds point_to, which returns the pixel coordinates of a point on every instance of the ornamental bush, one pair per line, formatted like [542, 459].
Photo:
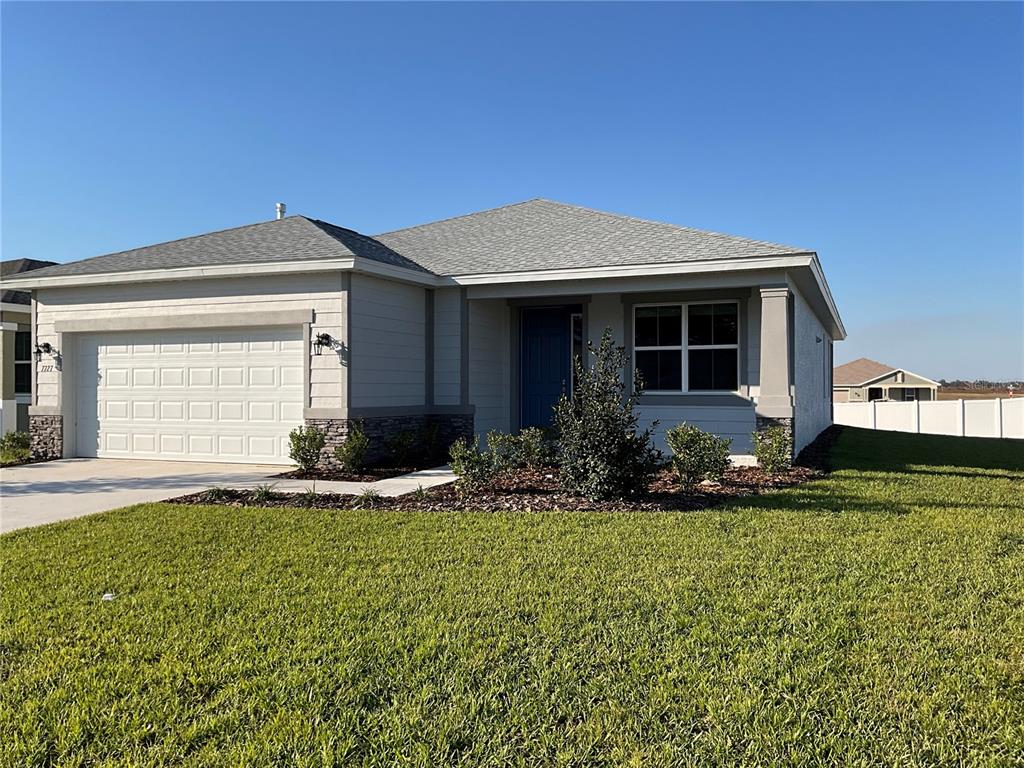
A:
[773, 448]
[604, 454]
[304, 447]
[401, 448]
[697, 455]
[530, 449]
[14, 448]
[474, 467]
[351, 454]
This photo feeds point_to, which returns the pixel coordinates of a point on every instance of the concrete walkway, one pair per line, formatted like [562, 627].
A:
[36, 494]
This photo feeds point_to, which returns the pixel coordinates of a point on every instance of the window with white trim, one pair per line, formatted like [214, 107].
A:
[687, 347]
[22, 362]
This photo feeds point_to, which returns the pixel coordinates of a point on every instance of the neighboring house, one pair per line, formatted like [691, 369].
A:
[864, 380]
[16, 347]
[214, 347]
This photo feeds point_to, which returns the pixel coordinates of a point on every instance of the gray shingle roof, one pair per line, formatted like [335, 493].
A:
[294, 238]
[542, 234]
[534, 235]
[16, 267]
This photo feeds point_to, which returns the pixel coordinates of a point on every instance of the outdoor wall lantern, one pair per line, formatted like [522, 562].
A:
[322, 340]
[45, 348]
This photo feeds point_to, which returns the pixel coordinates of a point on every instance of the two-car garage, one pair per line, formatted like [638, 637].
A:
[228, 395]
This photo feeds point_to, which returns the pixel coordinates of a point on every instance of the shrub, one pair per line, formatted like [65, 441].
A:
[14, 448]
[367, 498]
[401, 447]
[431, 441]
[12, 441]
[697, 455]
[474, 467]
[262, 494]
[305, 445]
[603, 452]
[529, 449]
[773, 448]
[351, 454]
[535, 449]
[217, 494]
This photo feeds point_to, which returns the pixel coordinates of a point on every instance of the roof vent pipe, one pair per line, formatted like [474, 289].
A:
[280, 210]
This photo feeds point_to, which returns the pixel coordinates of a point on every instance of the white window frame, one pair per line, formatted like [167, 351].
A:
[685, 347]
[24, 397]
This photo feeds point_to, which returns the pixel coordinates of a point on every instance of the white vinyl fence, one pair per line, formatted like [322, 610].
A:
[964, 418]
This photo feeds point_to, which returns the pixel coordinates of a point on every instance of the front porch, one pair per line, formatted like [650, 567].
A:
[699, 352]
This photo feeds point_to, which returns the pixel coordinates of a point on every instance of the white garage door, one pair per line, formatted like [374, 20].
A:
[228, 395]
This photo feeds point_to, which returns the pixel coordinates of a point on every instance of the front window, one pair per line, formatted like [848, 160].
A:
[687, 347]
[22, 363]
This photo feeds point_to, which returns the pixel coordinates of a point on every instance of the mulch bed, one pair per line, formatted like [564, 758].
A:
[367, 475]
[523, 491]
[535, 490]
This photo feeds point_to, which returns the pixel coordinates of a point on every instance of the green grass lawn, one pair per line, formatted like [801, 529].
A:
[875, 617]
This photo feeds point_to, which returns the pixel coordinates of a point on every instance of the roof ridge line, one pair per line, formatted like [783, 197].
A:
[462, 216]
[796, 249]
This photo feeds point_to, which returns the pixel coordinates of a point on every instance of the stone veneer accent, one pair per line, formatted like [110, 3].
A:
[46, 437]
[383, 429]
[763, 422]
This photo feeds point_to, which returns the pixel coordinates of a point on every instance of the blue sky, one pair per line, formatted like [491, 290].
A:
[887, 137]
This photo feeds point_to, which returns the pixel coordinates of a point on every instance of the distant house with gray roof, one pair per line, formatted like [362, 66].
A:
[864, 380]
[214, 347]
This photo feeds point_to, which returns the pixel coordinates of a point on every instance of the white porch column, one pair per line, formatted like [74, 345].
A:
[776, 399]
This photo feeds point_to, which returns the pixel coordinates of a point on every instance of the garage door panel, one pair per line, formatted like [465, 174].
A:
[203, 395]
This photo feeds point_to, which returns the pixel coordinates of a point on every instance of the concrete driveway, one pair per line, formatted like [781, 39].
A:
[34, 494]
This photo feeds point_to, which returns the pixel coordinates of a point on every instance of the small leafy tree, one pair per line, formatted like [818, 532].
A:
[697, 455]
[351, 454]
[604, 453]
[305, 445]
[773, 448]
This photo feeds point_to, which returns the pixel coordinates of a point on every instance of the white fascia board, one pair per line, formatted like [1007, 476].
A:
[899, 386]
[7, 306]
[181, 273]
[380, 269]
[227, 270]
[636, 270]
[819, 278]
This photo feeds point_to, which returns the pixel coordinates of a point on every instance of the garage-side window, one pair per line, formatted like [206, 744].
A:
[22, 362]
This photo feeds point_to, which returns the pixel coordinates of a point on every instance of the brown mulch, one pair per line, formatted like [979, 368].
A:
[367, 475]
[526, 491]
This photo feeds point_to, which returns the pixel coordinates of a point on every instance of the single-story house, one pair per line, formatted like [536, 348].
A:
[16, 347]
[214, 347]
[864, 380]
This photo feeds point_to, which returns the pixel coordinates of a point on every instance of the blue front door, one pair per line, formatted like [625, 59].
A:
[544, 363]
